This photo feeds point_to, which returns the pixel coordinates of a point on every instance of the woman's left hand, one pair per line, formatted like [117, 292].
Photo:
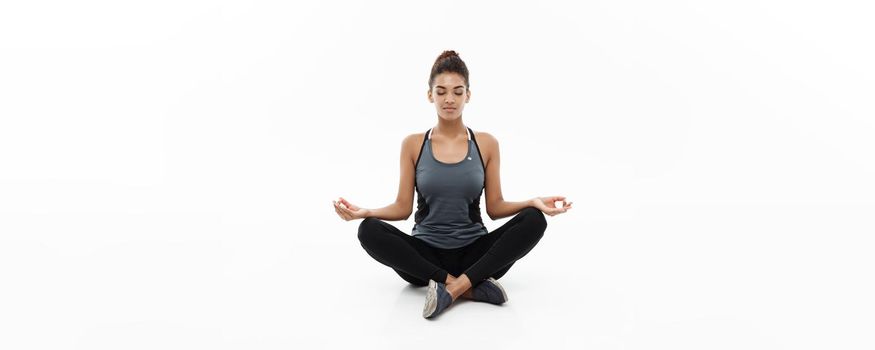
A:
[548, 204]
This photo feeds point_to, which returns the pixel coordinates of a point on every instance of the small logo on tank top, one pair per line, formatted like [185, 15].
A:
[469, 158]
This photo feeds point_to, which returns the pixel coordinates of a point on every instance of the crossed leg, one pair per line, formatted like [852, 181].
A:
[491, 255]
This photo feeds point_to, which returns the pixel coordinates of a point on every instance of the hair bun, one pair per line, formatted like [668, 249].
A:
[447, 53]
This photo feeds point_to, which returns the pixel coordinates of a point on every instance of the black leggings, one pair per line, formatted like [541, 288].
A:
[491, 255]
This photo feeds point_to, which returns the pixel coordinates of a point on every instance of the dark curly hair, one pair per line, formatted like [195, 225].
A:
[448, 61]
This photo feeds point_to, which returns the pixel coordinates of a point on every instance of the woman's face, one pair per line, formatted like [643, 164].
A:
[449, 95]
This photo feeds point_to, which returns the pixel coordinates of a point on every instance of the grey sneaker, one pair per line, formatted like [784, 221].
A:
[489, 291]
[437, 299]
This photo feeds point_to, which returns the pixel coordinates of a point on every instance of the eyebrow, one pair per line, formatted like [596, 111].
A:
[440, 86]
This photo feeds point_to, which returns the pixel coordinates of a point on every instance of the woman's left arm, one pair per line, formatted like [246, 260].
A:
[504, 208]
[496, 206]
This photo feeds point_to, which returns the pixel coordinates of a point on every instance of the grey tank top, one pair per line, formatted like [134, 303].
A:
[448, 197]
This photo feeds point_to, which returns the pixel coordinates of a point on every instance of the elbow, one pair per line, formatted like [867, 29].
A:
[403, 210]
[492, 211]
[493, 208]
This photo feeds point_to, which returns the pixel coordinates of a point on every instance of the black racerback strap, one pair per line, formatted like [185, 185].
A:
[421, 148]
[478, 153]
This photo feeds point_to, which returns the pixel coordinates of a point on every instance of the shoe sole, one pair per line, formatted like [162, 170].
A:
[430, 299]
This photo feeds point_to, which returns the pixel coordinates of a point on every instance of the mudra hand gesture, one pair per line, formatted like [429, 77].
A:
[548, 205]
[349, 211]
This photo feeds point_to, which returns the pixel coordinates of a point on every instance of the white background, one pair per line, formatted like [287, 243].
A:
[167, 168]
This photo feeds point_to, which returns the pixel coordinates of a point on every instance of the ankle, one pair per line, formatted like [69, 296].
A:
[459, 286]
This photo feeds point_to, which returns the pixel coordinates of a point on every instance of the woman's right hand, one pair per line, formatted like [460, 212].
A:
[349, 211]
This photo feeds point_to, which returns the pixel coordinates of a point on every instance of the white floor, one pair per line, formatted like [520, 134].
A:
[669, 276]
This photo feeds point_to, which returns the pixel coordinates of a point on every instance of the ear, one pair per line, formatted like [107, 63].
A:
[468, 91]
[428, 94]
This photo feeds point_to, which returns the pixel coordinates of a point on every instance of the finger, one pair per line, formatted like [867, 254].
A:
[344, 210]
[337, 210]
[349, 213]
[345, 215]
[348, 205]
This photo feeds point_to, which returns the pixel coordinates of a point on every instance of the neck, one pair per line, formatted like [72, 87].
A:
[450, 128]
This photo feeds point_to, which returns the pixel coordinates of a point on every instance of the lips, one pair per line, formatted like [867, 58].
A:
[449, 108]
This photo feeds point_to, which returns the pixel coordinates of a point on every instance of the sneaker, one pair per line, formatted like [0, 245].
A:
[489, 291]
[437, 299]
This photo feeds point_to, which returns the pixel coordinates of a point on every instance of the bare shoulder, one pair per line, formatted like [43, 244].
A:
[414, 140]
[411, 144]
[487, 143]
[485, 138]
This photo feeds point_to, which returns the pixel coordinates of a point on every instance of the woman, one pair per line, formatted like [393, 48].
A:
[449, 166]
